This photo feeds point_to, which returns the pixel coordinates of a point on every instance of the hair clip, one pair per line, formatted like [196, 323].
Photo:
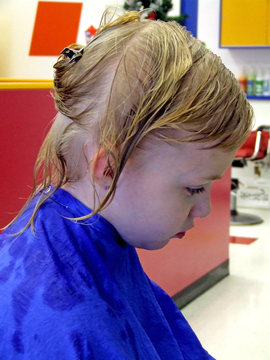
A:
[73, 55]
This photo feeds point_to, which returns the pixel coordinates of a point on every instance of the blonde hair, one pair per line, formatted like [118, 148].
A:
[138, 77]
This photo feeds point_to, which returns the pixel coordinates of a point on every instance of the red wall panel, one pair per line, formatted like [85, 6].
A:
[25, 117]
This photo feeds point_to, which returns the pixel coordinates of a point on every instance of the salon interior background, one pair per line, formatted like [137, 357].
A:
[17, 19]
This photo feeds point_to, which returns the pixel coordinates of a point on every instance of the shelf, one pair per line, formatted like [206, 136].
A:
[258, 97]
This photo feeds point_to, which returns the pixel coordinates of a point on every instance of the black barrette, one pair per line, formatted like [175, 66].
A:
[74, 55]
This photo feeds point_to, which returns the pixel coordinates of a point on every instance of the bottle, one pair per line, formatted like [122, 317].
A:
[242, 79]
[266, 82]
[259, 82]
[251, 76]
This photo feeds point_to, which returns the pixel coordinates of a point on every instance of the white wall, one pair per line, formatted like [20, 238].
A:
[234, 59]
[17, 19]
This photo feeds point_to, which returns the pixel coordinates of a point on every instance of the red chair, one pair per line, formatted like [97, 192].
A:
[255, 148]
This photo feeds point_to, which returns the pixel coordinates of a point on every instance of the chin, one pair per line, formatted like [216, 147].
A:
[154, 245]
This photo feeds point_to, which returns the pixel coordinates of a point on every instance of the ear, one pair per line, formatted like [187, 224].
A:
[102, 168]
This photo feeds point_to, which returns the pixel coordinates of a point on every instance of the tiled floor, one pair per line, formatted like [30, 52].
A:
[232, 319]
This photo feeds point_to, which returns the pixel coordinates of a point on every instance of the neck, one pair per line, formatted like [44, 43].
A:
[86, 192]
[82, 190]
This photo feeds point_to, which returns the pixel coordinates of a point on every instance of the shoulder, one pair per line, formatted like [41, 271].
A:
[57, 213]
[42, 294]
[45, 257]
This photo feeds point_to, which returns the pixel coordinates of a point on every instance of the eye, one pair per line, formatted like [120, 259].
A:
[194, 191]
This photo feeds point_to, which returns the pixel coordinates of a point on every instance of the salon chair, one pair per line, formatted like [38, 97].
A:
[254, 149]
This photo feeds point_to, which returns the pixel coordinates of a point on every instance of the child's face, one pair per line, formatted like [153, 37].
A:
[163, 189]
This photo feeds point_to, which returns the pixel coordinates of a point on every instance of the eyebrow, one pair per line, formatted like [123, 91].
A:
[213, 177]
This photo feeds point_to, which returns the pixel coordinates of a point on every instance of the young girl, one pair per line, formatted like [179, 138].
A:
[147, 119]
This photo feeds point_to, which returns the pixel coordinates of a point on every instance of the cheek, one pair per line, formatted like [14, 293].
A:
[180, 206]
[185, 201]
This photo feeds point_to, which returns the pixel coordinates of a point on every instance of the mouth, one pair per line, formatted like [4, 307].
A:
[179, 235]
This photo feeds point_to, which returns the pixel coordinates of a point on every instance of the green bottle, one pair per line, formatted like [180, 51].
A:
[259, 82]
[251, 78]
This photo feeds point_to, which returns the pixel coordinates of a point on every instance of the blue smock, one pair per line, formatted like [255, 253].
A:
[75, 290]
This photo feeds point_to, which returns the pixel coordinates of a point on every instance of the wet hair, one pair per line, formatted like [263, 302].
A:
[136, 78]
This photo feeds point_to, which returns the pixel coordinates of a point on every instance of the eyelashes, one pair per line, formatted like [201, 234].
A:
[193, 191]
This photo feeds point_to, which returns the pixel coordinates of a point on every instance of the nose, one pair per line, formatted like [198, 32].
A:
[202, 206]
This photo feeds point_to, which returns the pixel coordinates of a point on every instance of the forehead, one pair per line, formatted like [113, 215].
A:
[190, 159]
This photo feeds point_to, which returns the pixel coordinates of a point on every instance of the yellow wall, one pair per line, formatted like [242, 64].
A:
[244, 23]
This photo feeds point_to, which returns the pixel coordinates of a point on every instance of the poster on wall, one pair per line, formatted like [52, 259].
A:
[56, 26]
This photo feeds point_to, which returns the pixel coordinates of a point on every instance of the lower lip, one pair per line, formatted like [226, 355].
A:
[180, 235]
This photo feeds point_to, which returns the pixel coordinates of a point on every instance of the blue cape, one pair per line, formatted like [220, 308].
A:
[76, 290]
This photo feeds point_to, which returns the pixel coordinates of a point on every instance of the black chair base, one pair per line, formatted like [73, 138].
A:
[238, 218]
